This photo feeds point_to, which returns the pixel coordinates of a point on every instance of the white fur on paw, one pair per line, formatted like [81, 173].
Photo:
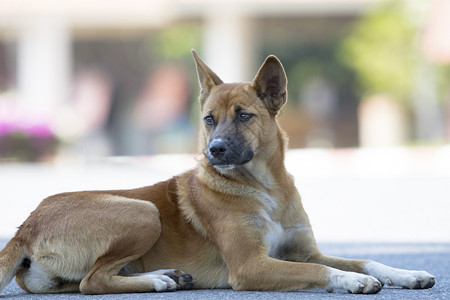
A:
[353, 282]
[161, 283]
[398, 277]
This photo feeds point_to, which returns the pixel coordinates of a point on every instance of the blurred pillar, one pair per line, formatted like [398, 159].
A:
[382, 122]
[228, 42]
[436, 43]
[43, 64]
[427, 110]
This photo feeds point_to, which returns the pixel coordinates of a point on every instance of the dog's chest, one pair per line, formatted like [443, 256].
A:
[274, 236]
[277, 237]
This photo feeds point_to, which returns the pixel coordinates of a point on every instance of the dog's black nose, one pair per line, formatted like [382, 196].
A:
[217, 148]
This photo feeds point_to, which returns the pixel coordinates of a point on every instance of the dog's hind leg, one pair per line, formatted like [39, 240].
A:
[103, 279]
[106, 276]
[129, 244]
[86, 240]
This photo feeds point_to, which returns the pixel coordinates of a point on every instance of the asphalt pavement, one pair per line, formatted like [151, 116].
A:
[434, 258]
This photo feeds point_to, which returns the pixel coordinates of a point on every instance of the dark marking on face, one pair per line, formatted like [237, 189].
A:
[228, 146]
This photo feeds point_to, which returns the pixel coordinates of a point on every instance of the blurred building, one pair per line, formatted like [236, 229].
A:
[86, 67]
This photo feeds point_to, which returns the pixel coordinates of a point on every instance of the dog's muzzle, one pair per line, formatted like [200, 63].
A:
[224, 155]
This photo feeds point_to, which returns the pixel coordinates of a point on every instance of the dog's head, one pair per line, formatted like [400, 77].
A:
[239, 118]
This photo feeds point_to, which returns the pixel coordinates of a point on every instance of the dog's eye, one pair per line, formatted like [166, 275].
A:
[244, 117]
[209, 120]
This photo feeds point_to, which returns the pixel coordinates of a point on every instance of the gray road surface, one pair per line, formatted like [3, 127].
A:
[434, 258]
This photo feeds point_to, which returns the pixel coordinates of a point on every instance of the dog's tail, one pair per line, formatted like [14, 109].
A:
[11, 258]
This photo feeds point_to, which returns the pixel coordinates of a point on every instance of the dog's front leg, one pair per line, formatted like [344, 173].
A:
[399, 277]
[250, 268]
[387, 275]
[265, 273]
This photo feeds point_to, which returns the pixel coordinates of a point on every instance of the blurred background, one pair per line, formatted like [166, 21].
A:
[369, 95]
[116, 78]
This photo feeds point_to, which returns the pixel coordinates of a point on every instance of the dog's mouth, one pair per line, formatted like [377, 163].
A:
[228, 165]
[224, 167]
[223, 156]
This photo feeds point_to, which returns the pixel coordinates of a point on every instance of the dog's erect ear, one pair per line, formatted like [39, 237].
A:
[206, 77]
[270, 84]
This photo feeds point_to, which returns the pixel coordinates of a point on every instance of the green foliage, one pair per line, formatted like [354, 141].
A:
[175, 42]
[443, 81]
[320, 64]
[381, 49]
[304, 63]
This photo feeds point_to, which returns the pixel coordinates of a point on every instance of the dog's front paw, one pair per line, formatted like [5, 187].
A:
[353, 282]
[419, 280]
[398, 277]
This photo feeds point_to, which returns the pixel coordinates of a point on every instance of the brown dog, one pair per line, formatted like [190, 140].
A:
[235, 221]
